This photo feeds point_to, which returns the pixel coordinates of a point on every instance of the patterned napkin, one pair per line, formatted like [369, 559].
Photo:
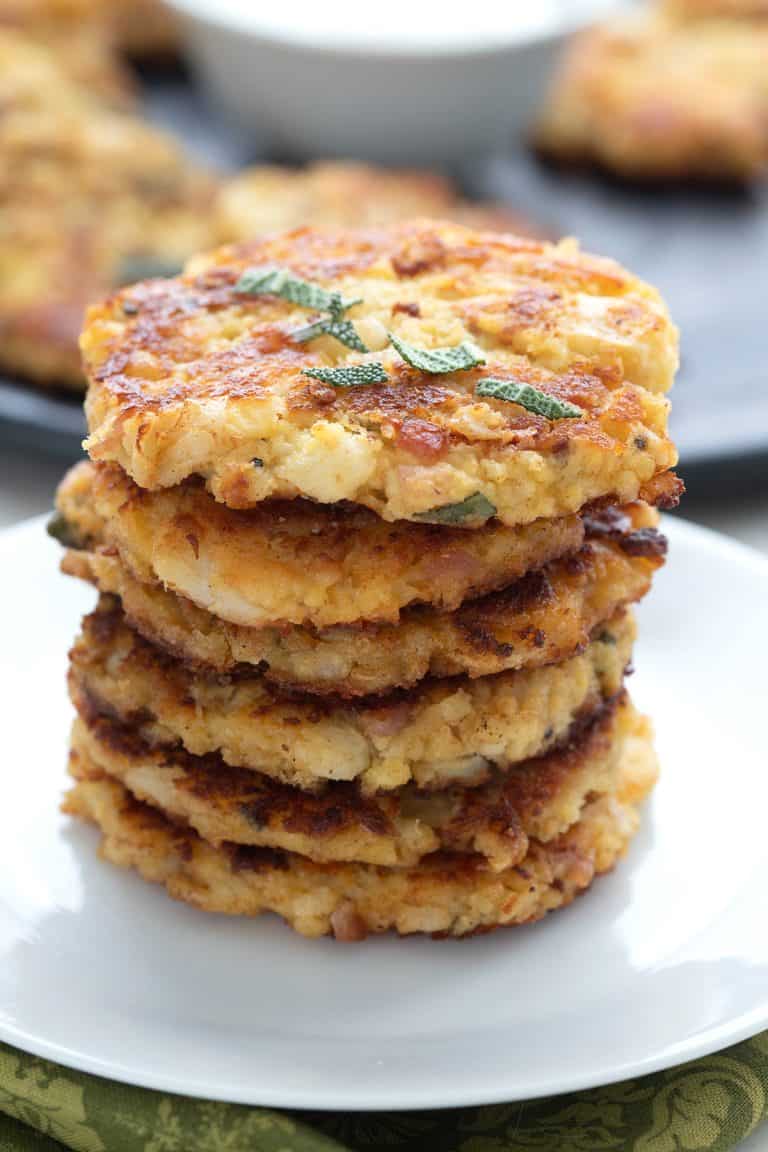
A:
[709, 1105]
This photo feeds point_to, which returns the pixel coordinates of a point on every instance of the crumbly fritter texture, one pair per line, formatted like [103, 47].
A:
[76, 37]
[191, 377]
[272, 198]
[296, 562]
[447, 894]
[89, 198]
[539, 620]
[537, 799]
[442, 731]
[650, 97]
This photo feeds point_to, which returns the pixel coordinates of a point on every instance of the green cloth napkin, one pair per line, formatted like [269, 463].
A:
[709, 1105]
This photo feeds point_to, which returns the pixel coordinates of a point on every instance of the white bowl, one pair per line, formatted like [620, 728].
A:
[348, 80]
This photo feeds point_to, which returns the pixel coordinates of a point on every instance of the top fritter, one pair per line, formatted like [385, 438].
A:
[427, 371]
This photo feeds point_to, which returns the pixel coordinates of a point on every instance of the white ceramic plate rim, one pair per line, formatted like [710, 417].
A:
[495, 1088]
[497, 1092]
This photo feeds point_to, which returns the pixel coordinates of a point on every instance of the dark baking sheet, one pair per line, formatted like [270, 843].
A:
[705, 250]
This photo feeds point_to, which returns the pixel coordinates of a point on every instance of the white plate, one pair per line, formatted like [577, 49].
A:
[665, 959]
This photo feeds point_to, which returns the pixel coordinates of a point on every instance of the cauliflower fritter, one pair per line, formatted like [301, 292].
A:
[196, 377]
[89, 198]
[442, 731]
[144, 28]
[539, 799]
[538, 620]
[76, 36]
[448, 894]
[272, 198]
[649, 97]
[716, 9]
[295, 562]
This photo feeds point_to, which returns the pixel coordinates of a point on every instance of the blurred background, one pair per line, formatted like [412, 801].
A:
[134, 133]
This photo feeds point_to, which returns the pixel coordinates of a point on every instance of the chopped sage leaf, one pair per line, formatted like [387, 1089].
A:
[272, 281]
[350, 375]
[342, 330]
[145, 267]
[60, 529]
[476, 507]
[439, 360]
[528, 397]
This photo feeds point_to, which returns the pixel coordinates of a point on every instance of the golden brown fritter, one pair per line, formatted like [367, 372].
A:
[715, 9]
[144, 28]
[538, 799]
[649, 97]
[272, 198]
[538, 620]
[76, 37]
[295, 562]
[192, 376]
[448, 894]
[451, 730]
[88, 198]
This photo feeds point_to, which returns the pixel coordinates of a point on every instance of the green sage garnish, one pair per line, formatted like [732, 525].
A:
[280, 282]
[439, 360]
[476, 507]
[350, 375]
[273, 281]
[342, 330]
[530, 398]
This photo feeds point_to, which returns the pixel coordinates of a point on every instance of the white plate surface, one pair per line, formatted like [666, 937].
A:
[665, 959]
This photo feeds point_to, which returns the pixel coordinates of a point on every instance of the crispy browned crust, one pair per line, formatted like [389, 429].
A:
[447, 894]
[539, 620]
[539, 799]
[581, 328]
[441, 732]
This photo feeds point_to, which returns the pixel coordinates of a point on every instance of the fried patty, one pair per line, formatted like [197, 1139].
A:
[448, 894]
[76, 40]
[651, 97]
[191, 376]
[442, 731]
[144, 28]
[89, 198]
[539, 620]
[539, 798]
[716, 9]
[295, 562]
[272, 198]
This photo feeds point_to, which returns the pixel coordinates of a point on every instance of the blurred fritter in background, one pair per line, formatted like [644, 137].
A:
[98, 190]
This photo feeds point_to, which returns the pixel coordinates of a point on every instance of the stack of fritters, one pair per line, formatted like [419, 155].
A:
[367, 512]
